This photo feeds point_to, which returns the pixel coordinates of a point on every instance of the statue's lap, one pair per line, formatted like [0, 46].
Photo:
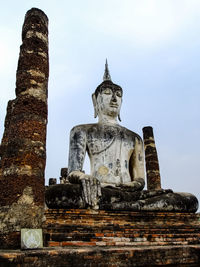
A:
[69, 196]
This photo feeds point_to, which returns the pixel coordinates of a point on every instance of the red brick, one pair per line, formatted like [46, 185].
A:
[99, 234]
[53, 244]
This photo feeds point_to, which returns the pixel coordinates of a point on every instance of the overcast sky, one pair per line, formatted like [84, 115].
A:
[153, 51]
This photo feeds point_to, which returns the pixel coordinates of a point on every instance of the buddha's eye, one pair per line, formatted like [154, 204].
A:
[107, 91]
[119, 93]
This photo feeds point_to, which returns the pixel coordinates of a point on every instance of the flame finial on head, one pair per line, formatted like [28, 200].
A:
[106, 76]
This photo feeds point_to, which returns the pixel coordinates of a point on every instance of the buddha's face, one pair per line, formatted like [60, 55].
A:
[109, 102]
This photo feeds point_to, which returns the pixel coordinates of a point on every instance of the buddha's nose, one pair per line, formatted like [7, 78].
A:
[114, 99]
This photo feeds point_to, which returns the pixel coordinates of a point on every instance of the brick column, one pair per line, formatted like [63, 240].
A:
[23, 147]
[151, 160]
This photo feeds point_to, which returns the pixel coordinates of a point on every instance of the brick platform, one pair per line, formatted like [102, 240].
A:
[117, 239]
[107, 228]
[180, 256]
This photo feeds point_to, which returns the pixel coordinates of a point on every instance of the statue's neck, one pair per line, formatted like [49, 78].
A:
[105, 119]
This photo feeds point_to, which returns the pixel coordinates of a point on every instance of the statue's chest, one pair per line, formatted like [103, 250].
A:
[110, 141]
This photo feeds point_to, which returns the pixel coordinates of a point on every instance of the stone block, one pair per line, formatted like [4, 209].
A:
[31, 238]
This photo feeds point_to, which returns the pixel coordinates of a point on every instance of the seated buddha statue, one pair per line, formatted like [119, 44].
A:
[116, 154]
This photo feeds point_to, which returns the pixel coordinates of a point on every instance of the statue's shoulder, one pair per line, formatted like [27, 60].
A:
[130, 133]
[84, 127]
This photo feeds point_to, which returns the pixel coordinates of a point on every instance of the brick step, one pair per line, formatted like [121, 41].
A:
[102, 236]
[119, 240]
[91, 256]
[67, 220]
[118, 228]
[139, 224]
[106, 228]
[81, 214]
[111, 243]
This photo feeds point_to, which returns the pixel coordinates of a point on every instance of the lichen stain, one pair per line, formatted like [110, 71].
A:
[27, 197]
[103, 170]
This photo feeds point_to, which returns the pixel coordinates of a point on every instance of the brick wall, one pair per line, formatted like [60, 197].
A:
[103, 228]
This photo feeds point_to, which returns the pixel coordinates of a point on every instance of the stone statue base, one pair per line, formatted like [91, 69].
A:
[69, 196]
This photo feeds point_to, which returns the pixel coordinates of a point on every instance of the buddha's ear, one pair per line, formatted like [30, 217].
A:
[94, 100]
[119, 118]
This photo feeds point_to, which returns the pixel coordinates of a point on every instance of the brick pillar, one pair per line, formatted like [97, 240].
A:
[151, 160]
[23, 147]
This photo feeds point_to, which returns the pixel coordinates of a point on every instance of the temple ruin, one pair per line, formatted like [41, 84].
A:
[104, 218]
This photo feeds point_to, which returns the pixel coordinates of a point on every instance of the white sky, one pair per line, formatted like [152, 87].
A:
[153, 51]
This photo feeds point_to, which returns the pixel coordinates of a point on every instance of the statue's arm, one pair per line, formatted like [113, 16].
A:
[77, 149]
[138, 160]
[137, 165]
[91, 186]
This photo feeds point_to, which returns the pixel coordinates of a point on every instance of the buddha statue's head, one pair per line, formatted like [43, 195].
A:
[107, 98]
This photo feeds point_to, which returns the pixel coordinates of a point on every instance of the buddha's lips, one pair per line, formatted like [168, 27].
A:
[114, 105]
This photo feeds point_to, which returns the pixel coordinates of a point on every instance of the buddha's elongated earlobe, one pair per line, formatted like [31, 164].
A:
[94, 100]
[119, 118]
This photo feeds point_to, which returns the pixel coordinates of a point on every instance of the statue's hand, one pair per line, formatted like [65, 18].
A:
[91, 187]
[75, 176]
[136, 185]
[91, 190]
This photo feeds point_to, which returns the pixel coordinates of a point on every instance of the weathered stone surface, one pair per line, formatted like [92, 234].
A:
[110, 148]
[33, 67]
[23, 147]
[52, 181]
[71, 196]
[116, 153]
[64, 196]
[23, 213]
[64, 172]
[151, 160]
